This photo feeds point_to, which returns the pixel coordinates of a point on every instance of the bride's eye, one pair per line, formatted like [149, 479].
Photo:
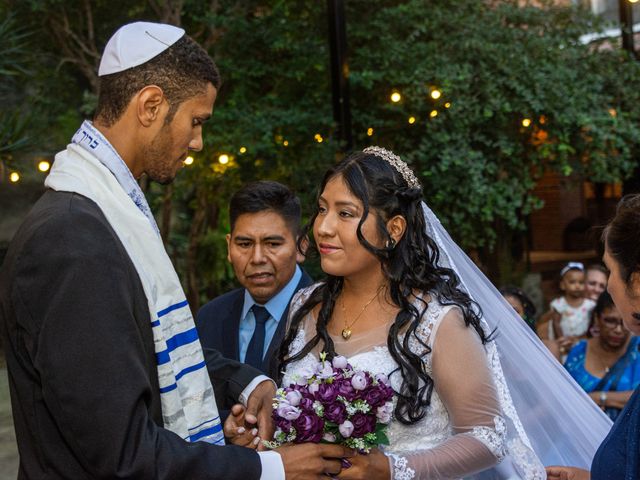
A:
[321, 209]
[346, 214]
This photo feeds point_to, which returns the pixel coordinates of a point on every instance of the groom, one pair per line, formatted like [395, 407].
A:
[107, 376]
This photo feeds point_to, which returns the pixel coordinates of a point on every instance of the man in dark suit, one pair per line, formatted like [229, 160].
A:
[90, 324]
[249, 323]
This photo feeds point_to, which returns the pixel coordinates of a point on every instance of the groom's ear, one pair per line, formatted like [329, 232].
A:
[151, 105]
[396, 226]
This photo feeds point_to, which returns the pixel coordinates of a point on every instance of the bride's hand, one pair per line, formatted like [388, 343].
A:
[235, 430]
[373, 466]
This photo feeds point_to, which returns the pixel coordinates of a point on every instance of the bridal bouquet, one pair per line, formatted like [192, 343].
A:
[333, 403]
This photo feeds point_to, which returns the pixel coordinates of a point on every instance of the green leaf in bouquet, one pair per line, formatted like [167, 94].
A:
[381, 434]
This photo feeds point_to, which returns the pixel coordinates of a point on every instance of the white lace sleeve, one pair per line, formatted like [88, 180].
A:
[463, 381]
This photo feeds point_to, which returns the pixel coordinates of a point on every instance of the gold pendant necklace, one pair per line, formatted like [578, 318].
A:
[346, 331]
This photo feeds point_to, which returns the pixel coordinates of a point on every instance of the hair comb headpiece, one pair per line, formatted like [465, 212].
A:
[396, 162]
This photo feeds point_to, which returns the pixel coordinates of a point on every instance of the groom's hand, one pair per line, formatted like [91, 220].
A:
[236, 431]
[259, 408]
[312, 461]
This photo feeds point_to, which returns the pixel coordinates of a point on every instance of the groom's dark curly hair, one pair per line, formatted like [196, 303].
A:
[182, 71]
[410, 266]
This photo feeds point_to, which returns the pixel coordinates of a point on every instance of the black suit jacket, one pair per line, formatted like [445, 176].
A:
[80, 354]
[218, 324]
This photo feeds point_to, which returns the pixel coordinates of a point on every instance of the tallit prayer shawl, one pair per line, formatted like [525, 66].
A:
[91, 167]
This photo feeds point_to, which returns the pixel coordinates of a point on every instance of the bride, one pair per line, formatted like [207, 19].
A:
[403, 300]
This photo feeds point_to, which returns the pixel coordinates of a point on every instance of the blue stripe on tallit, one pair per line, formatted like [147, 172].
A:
[166, 389]
[206, 432]
[175, 342]
[189, 370]
[204, 423]
[171, 308]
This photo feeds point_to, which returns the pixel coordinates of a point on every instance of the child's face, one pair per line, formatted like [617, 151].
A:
[572, 283]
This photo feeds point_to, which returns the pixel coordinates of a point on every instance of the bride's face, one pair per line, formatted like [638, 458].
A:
[334, 231]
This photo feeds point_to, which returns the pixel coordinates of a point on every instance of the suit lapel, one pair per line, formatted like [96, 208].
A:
[231, 327]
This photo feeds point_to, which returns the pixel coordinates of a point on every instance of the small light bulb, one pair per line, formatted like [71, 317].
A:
[412, 120]
[188, 160]
[318, 138]
[526, 122]
[436, 94]
[14, 177]
[433, 114]
[396, 97]
[243, 149]
[447, 105]
[369, 131]
[285, 143]
[44, 166]
[223, 159]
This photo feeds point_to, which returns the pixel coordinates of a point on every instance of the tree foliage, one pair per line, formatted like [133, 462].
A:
[494, 63]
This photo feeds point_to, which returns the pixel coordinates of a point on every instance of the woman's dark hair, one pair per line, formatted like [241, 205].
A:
[409, 266]
[603, 303]
[527, 305]
[621, 236]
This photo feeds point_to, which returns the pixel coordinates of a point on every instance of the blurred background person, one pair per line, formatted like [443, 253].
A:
[617, 457]
[569, 316]
[521, 303]
[607, 366]
[596, 276]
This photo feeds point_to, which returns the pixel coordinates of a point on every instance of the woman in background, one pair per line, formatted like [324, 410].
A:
[607, 366]
[619, 454]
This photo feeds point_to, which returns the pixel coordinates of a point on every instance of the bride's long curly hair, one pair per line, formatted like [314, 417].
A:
[410, 266]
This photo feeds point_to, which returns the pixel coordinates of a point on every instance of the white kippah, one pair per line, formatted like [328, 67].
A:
[136, 43]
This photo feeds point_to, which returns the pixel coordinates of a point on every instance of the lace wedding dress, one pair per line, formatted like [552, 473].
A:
[471, 424]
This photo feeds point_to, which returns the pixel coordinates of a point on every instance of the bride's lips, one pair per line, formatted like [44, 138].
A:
[327, 248]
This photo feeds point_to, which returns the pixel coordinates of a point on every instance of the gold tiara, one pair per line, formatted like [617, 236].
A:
[396, 162]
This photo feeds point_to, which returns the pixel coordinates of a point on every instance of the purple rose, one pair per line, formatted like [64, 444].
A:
[282, 424]
[309, 428]
[339, 362]
[346, 389]
[335, 412]
[359, 381]
[288, 412]
[363, 423]
[327, 393]
[375, 396]
[293, 397]
[388, 391]
[306, 404]
[346, 429]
